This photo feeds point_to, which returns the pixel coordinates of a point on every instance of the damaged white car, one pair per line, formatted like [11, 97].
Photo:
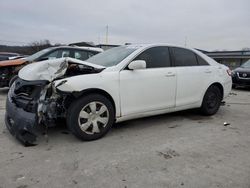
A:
[119, 84]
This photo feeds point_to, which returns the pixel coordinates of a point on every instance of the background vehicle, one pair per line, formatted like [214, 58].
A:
[10, 68]
[241, 75]
[8, 55]
[119, 84]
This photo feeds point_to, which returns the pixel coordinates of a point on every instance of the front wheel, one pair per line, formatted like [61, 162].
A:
[90, 117]
[211, 101]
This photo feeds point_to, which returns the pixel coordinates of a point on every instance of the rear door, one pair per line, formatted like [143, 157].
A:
[193, 75]
[148, 89]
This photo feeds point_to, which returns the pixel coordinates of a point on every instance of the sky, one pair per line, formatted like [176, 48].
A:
[205, 24]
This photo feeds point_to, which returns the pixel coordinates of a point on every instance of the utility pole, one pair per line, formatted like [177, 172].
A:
[185, 41]
[107, 34]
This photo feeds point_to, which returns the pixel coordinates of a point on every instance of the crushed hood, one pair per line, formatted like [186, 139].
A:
[50, 69]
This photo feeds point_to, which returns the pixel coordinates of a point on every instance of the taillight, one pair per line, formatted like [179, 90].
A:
[229, 72]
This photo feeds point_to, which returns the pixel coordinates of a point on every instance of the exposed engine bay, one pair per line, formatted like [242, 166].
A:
[34, 95]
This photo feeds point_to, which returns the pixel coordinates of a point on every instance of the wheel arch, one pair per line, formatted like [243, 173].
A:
[89, 91]
[220, 86]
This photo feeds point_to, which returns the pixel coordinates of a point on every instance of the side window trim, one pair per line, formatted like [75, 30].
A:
[71, 53]
[171, 56]
[196, 57]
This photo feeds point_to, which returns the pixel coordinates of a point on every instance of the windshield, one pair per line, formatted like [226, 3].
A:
[112, 56]
[38, 54]
[246, 64]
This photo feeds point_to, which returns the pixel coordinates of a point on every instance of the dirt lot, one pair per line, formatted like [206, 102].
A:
[180, 149]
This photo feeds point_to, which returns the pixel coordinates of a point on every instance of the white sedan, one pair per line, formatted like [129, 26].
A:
[122, 83]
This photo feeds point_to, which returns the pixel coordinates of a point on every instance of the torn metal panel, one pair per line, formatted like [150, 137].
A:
[21, 116]
[33, 98]
[44, 70]
[51, 69]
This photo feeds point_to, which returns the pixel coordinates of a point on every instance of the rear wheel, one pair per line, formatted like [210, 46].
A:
[211, 101]
[90, 117]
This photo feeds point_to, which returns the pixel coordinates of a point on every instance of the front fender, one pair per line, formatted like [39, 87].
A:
[106, 81]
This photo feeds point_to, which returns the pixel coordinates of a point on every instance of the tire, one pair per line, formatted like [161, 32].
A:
[211, 101]
[90, 117]
[234, 86]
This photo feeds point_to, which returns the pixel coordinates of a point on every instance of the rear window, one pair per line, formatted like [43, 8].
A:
[184, 57]
[201, 61]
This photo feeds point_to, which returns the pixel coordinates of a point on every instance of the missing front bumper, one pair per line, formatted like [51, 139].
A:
[21, 124]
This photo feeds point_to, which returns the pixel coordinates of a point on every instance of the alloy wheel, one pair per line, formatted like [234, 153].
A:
[93, 117]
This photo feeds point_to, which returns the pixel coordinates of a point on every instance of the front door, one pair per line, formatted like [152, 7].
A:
[153, 88]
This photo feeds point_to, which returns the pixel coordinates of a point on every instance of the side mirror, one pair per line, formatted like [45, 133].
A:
[137, 64]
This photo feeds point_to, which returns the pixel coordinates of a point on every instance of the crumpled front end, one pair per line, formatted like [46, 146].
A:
[21, 116]
[34, 103]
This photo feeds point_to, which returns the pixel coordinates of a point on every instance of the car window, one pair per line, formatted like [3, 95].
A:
[184, 57]
[155, 57]
[39, 55]
[246, 64]
[3, 58]
[80, 54]
[52, 55]
[113, 56]
[90, 54]
[58, 54]
[201, 61]
[65, 53]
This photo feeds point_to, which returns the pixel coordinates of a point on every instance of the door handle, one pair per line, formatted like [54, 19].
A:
[170, 74]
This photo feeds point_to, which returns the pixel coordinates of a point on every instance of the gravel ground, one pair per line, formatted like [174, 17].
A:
[180, 149]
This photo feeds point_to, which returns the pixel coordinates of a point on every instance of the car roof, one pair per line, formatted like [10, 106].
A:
[78, 48]
[8, 53]
[145, 45]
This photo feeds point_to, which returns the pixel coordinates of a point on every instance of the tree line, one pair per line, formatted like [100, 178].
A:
[28, 49]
